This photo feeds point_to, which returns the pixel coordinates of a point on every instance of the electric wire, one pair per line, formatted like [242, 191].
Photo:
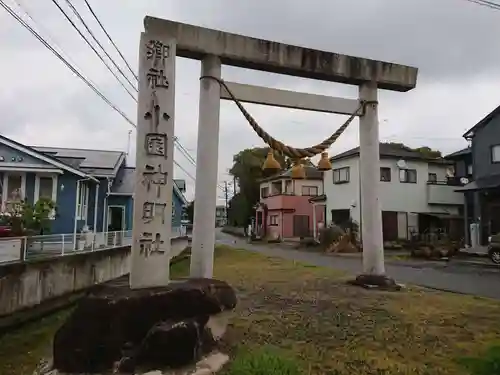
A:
[486, 3]
[88, 82]
[9, 10]
[110, 39]
[178, 145]
[93, 49]
[78, 15]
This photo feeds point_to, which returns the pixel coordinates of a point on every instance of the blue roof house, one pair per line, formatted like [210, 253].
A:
[92, 188]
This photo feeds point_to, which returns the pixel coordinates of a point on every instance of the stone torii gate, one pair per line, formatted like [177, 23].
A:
[160, 43]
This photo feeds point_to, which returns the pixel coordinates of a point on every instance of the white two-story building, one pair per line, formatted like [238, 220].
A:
[416, 193]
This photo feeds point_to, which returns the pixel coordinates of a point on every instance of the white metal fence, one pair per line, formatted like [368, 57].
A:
[33, 247]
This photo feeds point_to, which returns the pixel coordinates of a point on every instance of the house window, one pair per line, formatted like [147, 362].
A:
[341, 175]
[469, 169]
[408, 176]
[385, 174]
[310, 190]
[46, 187]
[13, 189]
[495, 154]
[276, 188]
[83, 202]
[264, 192]
[273, 220]
[432, 178]
[288, 187]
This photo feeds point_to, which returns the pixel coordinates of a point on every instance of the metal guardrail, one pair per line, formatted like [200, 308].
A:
[14, 249]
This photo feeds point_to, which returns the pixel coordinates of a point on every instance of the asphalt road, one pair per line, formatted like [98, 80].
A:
[453, 278]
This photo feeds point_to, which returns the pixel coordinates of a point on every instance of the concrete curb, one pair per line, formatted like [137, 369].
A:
[468, 263]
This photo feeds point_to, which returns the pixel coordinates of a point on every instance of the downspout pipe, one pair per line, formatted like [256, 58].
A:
[95, 207]
[75, 220]
[105, 205]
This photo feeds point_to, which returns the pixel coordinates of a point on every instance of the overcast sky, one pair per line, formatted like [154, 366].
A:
[452, 42]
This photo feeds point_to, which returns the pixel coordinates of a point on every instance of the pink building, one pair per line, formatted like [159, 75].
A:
[291, 208]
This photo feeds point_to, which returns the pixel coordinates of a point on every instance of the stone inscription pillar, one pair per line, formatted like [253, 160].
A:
[150, 260]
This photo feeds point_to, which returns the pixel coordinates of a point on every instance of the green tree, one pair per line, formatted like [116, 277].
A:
[247, 168]
[238, 210]
[37, 217]
[429, 152]
[426, 151]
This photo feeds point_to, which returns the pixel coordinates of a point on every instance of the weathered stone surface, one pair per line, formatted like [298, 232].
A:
[115, 323]
[208, 365]
[376, 282]
[175, 343]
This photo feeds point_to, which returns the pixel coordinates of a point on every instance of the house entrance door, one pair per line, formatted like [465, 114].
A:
[495, 219]
[301, 226]
[116, 223]
[390, 225]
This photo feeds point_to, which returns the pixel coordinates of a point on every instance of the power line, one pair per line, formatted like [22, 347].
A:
[40, 27]
[184, 170]
[75, 71]
[75, 11]
[110, 39]
[177, 143]
[486, 3]
[188, 156]
[93, 48]
[185, 152]
[87, 81]
[60, 57]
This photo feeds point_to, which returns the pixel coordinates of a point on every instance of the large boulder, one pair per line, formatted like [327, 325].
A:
[117, 326]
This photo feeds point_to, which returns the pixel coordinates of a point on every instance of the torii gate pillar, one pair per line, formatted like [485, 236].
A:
[369, 169]
[207, 160]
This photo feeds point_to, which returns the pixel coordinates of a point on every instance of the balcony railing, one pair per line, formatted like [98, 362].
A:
[288, 193]
[443, 192]
[450, 181]
[14, 249]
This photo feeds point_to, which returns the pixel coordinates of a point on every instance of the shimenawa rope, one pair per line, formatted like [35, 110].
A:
[292, 152]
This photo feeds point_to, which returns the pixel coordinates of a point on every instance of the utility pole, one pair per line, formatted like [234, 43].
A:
[226, 198]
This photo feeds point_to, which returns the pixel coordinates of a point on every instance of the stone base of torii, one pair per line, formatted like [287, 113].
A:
[151, 322]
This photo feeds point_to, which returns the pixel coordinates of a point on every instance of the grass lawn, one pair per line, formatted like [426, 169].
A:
[310, 314]
[309, 317]
[22, 349]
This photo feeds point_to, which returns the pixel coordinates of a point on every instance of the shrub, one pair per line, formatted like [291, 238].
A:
[487, 365]
[330, 234]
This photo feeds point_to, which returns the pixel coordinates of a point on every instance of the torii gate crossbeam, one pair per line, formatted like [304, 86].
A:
[215, 48]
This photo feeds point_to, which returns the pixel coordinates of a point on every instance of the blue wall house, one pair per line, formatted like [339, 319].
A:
[480, 165]
[91, 188]
[120, 200]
